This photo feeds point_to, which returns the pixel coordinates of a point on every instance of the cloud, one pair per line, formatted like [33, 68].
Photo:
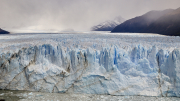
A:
[75, 14]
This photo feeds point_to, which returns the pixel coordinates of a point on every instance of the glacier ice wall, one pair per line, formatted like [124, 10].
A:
[110, 70]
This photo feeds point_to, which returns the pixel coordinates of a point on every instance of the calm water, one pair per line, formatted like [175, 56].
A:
[37, 96]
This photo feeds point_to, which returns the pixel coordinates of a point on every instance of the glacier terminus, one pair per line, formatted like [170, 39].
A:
[91, 63]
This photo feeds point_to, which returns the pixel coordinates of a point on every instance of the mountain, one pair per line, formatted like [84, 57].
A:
[165, 22]
[108, 25]
[3, 31]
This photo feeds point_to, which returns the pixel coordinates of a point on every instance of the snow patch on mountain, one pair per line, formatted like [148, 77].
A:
[108, 25]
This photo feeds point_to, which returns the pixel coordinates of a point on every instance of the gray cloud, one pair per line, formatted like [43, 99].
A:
[75, 14]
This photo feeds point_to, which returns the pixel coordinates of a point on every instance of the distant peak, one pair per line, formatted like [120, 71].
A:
[178, 8]
[108, 25]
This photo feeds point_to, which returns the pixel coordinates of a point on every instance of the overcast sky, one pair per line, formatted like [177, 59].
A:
[73, 14]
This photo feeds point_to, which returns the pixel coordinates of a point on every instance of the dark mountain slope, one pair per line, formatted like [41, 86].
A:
[3, 31]
[168, 24]
[165, 22]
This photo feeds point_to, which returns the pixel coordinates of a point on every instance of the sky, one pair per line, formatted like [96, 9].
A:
[79, 15]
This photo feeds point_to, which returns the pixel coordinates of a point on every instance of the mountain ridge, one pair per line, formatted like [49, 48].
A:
[166, 22]
[108, 25]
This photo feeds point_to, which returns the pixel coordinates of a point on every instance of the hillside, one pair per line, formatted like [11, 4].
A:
[3, 31]
[165, 22]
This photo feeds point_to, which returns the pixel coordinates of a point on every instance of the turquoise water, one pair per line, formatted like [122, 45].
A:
[9, 95]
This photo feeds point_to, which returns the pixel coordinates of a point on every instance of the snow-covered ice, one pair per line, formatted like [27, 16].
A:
[91, 63]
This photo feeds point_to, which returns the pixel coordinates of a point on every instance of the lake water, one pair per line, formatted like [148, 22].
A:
[39, 96]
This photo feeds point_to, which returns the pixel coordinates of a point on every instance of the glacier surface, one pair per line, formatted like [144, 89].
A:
[91, 63]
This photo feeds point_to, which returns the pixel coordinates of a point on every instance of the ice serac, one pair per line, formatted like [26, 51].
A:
[112, 70]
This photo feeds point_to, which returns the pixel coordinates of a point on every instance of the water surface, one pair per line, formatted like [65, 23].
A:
[9, 95]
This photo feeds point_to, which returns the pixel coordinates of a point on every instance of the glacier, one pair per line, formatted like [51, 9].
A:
[76, 63]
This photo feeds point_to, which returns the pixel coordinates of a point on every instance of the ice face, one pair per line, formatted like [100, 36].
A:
[136, 70]
[111, 70]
